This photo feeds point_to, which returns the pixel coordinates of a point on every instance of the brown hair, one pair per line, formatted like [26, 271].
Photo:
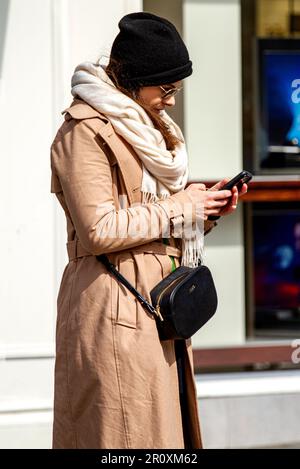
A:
[114, 71]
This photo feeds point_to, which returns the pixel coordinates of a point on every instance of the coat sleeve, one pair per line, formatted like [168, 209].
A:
[84, 174]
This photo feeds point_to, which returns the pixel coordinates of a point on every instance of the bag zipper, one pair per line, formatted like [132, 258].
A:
[157, 308]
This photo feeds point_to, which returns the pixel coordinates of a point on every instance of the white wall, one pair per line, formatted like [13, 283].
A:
[84, 30]
[40, 44]
[224, 254]
[213, 127]
[27, 281]
[213, 93]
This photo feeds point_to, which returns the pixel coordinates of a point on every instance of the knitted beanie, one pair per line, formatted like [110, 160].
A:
[149, 52]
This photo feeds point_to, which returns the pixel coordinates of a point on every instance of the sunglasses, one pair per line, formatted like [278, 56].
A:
[169, 93]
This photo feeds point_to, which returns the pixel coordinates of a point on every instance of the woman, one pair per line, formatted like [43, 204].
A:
[119, 170]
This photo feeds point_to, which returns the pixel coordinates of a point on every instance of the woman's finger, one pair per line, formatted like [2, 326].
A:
[222, 194]
[196, 186]
[212, 211]
[216, 204]
[244, 189]
[219, 184]
[233, 201]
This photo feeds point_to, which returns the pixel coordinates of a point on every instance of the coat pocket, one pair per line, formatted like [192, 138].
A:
[126, 313]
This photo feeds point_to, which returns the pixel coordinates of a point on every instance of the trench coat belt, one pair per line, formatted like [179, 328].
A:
[76, 250]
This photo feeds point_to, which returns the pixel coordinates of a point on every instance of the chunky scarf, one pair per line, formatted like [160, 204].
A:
[164, 172]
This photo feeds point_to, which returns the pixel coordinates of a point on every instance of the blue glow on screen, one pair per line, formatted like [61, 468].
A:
[277, 259]
[282, 97]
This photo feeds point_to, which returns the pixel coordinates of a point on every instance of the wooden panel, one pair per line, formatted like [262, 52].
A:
[272, 191]
[269, 190]
[241, 356]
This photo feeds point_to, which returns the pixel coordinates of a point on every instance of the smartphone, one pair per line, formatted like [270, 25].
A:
[238, 181]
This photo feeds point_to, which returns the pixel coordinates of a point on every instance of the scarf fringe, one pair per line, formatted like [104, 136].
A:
[150, 197]
[192, 249]
[193, 252]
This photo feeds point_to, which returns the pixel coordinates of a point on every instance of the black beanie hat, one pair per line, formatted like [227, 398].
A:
[149, 51]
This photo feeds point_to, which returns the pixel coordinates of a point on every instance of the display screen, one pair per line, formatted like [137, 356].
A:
[278, 92]
[282, 97]
[276, 253]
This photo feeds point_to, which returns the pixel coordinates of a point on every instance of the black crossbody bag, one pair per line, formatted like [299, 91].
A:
[181, 303]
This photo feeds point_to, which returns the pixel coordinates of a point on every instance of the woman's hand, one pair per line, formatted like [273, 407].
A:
[216, 202]
[231, 206]
[213, 202]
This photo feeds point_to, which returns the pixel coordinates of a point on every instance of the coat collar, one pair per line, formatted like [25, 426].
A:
[79, 109]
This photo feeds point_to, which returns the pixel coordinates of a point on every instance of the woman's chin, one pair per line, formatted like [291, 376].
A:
[158, 111]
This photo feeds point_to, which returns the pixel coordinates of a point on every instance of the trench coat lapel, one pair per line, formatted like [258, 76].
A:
[129, 163]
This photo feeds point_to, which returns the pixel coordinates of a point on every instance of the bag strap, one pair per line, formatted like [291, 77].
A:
[112, 269]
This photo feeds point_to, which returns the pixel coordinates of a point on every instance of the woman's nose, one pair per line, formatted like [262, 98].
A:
[169, 101]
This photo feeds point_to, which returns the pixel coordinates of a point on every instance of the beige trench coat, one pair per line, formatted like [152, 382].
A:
[116, 384]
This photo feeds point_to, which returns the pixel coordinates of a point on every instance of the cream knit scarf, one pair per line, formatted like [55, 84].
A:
[164, 172]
